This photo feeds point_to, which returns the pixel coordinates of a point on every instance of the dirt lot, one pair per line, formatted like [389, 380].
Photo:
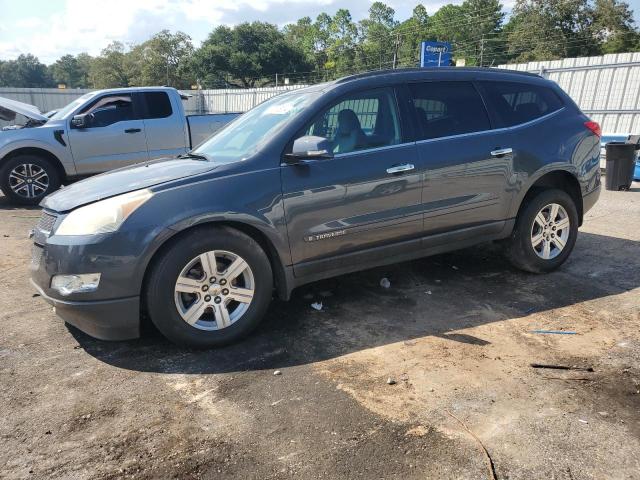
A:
[454, 332]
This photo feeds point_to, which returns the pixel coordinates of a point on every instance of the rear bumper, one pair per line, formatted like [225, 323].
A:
[590, 199]
[117, 319]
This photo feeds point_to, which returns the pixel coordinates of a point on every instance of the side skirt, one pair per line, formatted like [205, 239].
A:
[313, 271]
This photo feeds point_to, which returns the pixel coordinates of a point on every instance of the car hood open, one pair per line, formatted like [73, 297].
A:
[9, 109]
[116, 182]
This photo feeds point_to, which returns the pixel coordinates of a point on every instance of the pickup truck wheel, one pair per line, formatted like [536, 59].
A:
[210, 288]
[545, 232]
[27, 179]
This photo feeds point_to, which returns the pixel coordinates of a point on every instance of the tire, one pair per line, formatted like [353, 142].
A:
[188, 313]
[41, 174]
[528, 229]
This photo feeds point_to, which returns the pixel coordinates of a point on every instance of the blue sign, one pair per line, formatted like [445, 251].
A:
[435, 54]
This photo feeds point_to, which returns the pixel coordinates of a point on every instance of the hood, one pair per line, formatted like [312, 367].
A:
[9, 108]
[141, 175]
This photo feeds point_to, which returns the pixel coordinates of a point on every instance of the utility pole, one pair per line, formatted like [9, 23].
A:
[396, 46]
[481, 49]
[276, 80]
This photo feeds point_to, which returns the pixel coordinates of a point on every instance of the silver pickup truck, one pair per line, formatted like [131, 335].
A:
[99, 131]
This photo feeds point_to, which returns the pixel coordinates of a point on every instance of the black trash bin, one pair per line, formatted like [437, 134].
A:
[621, 159]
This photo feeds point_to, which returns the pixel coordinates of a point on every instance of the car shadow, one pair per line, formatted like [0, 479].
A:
[5, 204]
[434, 296]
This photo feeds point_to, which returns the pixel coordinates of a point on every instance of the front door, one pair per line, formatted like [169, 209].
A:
[367, 195]
[467, 165]
[114, 136]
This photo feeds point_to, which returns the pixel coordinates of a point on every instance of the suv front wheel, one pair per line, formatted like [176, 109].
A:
[545, 232]
[209, 288]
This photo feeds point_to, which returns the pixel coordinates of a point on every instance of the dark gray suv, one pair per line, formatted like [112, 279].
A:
[363, 171]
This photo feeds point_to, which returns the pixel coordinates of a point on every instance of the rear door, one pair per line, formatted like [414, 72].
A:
[114, 136]
[353, 201]
[164, 125]
[467, 171]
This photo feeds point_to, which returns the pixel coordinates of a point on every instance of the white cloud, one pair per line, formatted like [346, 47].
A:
[88, 26]
[82, 26]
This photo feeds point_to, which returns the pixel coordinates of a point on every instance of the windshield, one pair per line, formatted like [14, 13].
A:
[244, 137]
[71, 107]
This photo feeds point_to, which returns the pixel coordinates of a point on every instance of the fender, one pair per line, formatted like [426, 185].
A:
[531, 180]
[63, 154]
[269, 239]
[227, 196]
[262, 225]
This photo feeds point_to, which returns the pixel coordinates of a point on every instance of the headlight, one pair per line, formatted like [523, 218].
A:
[104, 216]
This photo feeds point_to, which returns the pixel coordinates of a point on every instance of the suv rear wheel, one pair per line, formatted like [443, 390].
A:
[545, 232]
[27, 179]
[210, 288]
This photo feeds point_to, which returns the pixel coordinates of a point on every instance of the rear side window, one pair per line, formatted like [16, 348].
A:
[448, 108]
[515, 103]
[157, 105]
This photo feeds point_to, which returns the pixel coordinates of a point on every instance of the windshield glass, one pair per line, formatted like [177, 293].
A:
[244, 137]
[72, 106]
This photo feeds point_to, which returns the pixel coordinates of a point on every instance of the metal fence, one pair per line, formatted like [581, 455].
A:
[239, 99]
[607, 88]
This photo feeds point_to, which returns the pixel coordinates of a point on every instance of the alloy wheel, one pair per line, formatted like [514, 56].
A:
[214, 290]
[28, 180]
[550, 231]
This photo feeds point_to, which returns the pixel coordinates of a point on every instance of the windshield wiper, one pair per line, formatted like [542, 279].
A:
[196, 156]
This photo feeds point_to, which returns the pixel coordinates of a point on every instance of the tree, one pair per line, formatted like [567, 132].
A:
[304, 34]
[84, 65]
[5, 75]
[67, 70]
[108, 69]
[613, 25]
[248, 54]
[445, 24]
[480, 31]
[25, 71]
[161, 60]
[547, 29]
[534, 33]
[342, 42]
[411, 33]
[377, 36]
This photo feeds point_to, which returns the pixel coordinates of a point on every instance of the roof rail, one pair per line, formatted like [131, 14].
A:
[375, 73]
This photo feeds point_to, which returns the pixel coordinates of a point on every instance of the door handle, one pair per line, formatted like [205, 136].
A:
[133, 130]
[400, 168]
[499, 152]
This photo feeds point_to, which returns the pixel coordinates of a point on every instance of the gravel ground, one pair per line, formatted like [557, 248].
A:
[453, 332]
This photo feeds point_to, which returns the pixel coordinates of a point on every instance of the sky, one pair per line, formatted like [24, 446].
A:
[52, 28]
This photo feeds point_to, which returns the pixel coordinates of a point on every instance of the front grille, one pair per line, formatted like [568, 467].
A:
[36, 256]
[43, 228]
[46, 222]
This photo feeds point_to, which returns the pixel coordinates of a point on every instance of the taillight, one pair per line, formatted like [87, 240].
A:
[594, 127]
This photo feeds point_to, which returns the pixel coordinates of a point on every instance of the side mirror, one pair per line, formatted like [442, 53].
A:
[310, 148]
[82, 121]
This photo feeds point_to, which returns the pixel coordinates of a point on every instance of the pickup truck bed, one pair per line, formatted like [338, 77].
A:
[202, 127]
